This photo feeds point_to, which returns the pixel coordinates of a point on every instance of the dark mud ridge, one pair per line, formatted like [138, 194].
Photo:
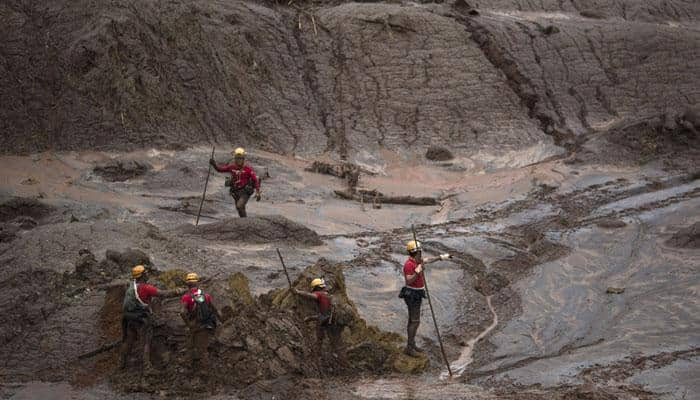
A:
[257, 229]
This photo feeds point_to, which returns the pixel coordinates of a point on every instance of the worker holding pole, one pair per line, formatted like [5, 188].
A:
[414, 292]
[242, 183]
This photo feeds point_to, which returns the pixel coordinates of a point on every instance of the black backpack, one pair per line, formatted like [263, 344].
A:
[202, 311]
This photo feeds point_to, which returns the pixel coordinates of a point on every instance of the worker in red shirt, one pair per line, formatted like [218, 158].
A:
[243, 180]
[414, 291]
[200, 316]
[136, 321]
[325, 326]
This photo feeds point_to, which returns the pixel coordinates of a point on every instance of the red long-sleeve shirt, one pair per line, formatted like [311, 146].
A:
[146, 292]
[239, 176]
[409, 268]
[324, 302]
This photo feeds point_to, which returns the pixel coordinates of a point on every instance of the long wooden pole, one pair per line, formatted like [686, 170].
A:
[285, 268]
[206, 183]
[432, 312]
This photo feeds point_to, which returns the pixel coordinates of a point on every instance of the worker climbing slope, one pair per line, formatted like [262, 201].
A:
[200, 316]
[414, 291]
[243, 181]
[326, 324]
[136, 316]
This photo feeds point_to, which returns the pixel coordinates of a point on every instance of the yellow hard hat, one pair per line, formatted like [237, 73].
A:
[413, 246]
[192, 278]
[318, 282]
[238, 152]
[137, 271]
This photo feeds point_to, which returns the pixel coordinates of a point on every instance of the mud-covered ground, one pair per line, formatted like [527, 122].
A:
[569, 279]
[551, 147]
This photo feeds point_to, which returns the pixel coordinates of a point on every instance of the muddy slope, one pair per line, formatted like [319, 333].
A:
[348, 78]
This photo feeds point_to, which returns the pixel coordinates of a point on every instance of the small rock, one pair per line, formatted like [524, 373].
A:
[438, 153]
[614, 290]
[550, 29]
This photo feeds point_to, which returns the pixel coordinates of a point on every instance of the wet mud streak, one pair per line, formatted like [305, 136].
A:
[461, 364]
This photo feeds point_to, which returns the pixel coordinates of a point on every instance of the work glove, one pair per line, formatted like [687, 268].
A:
[257, 195]
[212, 162]
[445, 256]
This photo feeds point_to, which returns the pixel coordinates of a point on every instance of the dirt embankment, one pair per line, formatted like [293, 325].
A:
[135, 74]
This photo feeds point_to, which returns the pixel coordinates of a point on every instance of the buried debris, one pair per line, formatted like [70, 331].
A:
[348, 171]
[258, 229]
[377, 198]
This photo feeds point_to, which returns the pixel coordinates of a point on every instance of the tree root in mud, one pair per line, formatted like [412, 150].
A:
[376, 197]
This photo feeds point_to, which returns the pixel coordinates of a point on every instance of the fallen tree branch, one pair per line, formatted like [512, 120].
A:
[380, 198]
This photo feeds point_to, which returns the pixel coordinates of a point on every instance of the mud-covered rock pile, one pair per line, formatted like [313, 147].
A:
[261, 338]
[257, 229]
[30, 297]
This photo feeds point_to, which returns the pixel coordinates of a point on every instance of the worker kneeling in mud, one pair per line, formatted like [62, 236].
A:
[242, 182]
[414, 291]
[200, 316]
[326, 323]
[136, 318]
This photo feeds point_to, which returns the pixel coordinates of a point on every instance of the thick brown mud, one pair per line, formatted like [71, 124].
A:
[551, 147]
[522, 302]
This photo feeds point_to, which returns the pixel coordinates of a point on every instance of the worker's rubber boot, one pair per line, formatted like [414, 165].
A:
[411, 330]
[241, 212]
[410, 351]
